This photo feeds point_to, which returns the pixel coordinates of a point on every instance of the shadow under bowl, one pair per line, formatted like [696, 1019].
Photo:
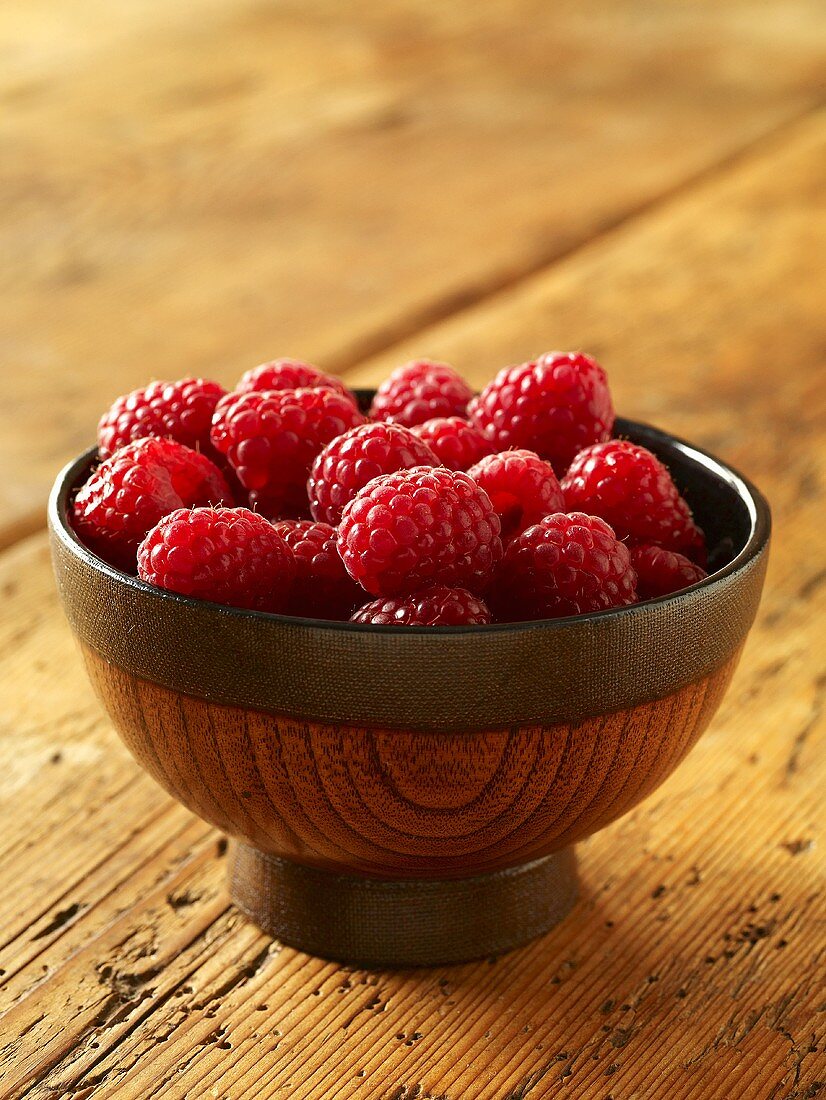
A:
[411, 796]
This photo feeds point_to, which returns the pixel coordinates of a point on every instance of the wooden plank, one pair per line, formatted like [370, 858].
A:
[690, 966]
[194, 188]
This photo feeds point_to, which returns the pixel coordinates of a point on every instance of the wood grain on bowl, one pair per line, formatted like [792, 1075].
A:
[398, 803]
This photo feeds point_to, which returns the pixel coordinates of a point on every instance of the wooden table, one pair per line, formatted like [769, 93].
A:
[193, 188]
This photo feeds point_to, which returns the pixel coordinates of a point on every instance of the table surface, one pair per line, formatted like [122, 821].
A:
[195, 188]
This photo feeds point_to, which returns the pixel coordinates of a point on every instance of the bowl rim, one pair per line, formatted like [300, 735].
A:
[756, 505]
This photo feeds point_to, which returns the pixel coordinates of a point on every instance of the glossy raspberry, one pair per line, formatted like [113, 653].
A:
[455, 441]
[167, 410]
[437, 606]
[347, 463]
[289, 374]
[632, 490]
[521, 485]
[420, 391]
[563, 565]
[418, 527]
[555, 406]
[271, 439]
[661, 572]
[323, 589]
[228, 555]
[129, 492]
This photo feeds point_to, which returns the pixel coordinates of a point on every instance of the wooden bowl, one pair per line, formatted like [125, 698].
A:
[409, 796]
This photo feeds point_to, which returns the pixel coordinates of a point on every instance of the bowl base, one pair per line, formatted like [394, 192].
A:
[407, 922]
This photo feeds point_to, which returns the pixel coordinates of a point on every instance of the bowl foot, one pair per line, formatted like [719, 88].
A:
[407, 922]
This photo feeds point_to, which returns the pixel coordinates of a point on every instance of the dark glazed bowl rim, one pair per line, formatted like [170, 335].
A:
[755, 503]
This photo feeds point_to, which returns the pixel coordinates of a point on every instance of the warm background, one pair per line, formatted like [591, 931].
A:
[194, 187]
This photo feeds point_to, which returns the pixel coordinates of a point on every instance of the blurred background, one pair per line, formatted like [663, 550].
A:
[192, 188]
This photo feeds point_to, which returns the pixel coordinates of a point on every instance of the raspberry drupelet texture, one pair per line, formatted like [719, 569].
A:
[455, 441]
[228, 555]
[322, 589]
[272, 437]
[134, 488]
[554, 406]
[563, 565]
[521, 485]
[420, 391]
[289, 374]
[437, 606]
[661, 572]
[414, 528]
[348, 462]
[166, 410]
[632, 490]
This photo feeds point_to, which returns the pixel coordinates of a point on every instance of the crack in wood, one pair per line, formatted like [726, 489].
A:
[256, 965]
[182, 900]
[815, 714]
[526, 1087]
[128, 1009]
[60, 920]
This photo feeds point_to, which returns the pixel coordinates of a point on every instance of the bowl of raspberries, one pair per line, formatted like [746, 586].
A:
[405, 646]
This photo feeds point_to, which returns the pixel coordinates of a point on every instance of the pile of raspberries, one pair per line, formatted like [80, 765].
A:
[436, 508]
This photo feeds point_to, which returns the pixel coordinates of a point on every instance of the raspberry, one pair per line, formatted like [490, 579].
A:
[271, 439]
[563, 565]
[410, 529]
[695, 548]
[455, 441]
[420, 391]
[521, 485]
[289, 374]
[631, 489]
[129, 492]
[661, 572]
[228, 555]
[347, 463]
[555, 406]
[437, 606]
[323, 588]
[167, 410]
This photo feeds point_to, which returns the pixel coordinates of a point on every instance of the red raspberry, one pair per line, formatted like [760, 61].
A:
[323, 588]
[695, 548]
[228, 555]
[289, 374]
[563, 565]
[410, 529]
[271, 439]
[661, 572]
[521, 485]
[437, 606]
[455, 441]
[347, 463]
[167, 410]
[555, 406]
[630, 488]
[420, 391]
[129, 492]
